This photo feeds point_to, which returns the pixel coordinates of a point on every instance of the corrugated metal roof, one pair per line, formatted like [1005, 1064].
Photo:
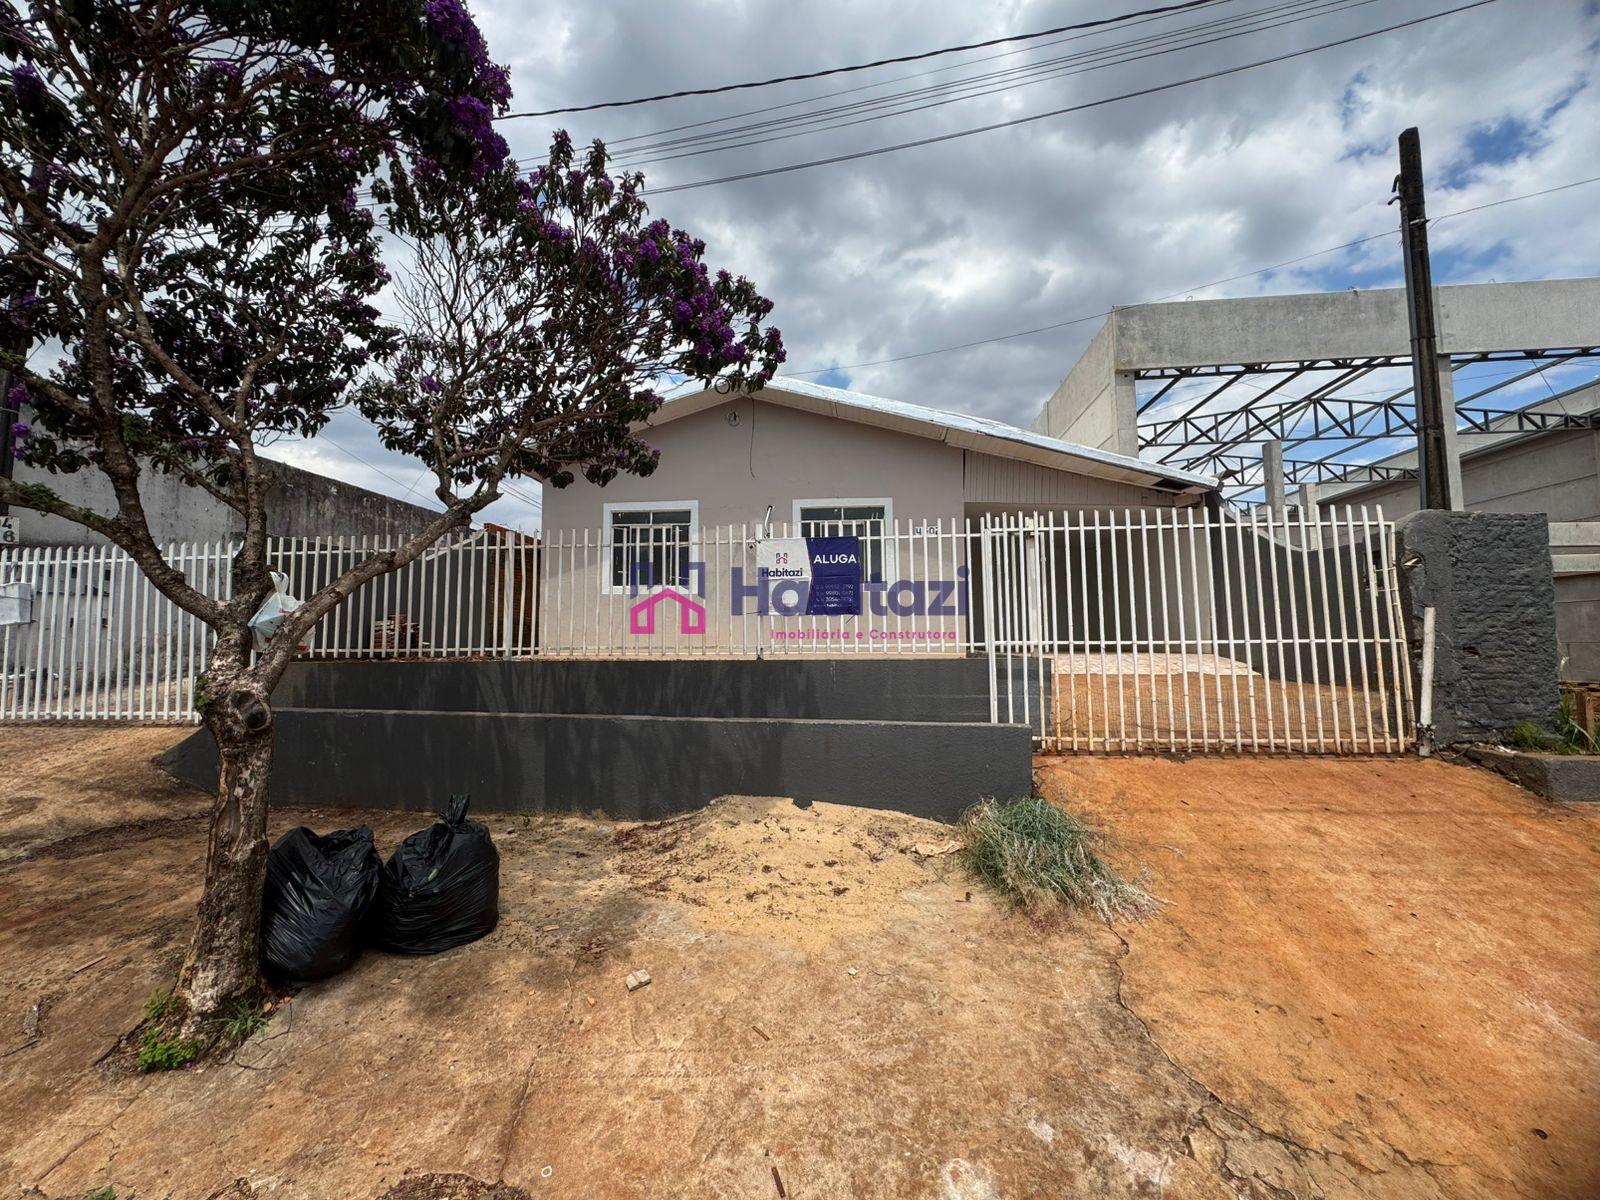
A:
[957, 429]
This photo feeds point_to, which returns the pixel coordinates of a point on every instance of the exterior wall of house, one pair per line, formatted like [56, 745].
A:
[773, 455]
[299, 504]
[1000, 484]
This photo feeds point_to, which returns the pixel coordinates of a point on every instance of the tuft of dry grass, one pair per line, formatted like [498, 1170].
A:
[1039, 856]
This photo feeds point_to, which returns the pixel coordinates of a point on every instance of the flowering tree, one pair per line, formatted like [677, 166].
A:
[181, 235]
[542, 311]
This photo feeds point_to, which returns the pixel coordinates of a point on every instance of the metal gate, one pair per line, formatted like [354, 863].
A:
[1160, 630]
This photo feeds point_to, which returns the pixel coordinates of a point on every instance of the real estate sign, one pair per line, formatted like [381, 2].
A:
[823, 571]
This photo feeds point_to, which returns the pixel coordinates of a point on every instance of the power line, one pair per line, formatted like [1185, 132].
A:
[1073, 108]
[882, 62]
[915, 100]
[1005, 337]
[864, 87]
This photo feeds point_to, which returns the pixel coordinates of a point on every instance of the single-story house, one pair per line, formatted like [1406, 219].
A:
[801, 460]
[825, 460]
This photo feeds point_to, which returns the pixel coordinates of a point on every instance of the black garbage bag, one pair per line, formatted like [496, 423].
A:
[316, 903]
[440, 889]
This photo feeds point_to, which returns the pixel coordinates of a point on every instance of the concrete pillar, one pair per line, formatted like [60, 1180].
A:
[1272, 478]
[1487, 578]
[1310, 497]
[1452, 444]
[1125, 403]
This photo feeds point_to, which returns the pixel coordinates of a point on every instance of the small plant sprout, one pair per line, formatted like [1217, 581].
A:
[247, 1019]
[160, 1051]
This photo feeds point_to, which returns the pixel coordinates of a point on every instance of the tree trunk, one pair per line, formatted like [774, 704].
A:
[223, 963]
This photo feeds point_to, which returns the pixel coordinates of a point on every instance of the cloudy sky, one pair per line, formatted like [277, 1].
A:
[1057, 219]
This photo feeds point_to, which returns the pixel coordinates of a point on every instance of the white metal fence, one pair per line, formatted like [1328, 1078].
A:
[103, 643]
[1160, 630]
[918, 603]
[1105, 632]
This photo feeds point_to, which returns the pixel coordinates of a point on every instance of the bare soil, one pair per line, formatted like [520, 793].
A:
[836, 1008]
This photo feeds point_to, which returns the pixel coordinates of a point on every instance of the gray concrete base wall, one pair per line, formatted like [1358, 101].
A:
[1566, 779]
[627, 767]
[636, 740]
[1487, 576]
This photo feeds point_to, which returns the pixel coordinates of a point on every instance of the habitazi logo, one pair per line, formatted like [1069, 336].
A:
[642, 613]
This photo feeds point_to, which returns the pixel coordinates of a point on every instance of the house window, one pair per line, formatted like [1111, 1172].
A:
[869, 520]
[652, 543]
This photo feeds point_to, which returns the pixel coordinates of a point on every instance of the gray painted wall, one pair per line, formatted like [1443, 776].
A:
[636, 740]
[299, 504]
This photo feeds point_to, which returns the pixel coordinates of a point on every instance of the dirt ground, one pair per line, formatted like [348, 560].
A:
[1367, 979]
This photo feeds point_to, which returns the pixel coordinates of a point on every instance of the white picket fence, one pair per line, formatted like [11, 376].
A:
[1108, 632]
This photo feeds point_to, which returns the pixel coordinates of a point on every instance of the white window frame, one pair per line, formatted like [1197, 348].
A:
[889, 540]
[607, 588]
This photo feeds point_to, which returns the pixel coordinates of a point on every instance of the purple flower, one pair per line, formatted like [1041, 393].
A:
[21, 429]
[449, 21]
[28, 84]
[430, 384]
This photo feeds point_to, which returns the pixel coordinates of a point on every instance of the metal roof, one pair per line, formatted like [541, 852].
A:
[960, 430]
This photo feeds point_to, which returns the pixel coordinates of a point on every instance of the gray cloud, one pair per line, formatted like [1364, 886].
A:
[1041, 223]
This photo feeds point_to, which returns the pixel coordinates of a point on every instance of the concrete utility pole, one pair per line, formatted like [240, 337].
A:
[1435, 426]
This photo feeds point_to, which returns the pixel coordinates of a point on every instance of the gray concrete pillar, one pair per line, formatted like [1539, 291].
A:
[1125, 401]
[1272, 478]
[1487, 578]
[1452, 444]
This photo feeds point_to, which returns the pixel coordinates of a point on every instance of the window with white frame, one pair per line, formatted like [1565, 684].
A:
[871, 520]
[652, 543]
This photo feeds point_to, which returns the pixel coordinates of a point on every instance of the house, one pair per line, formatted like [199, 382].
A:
[823, 460]
[899, 482]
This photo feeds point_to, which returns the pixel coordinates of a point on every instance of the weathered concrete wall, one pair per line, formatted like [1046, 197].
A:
[1095, 403]
[1094, 406]
[1487, 577]
[299, 504]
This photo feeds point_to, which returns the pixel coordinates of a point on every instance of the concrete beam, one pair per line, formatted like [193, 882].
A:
[1473, 318]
